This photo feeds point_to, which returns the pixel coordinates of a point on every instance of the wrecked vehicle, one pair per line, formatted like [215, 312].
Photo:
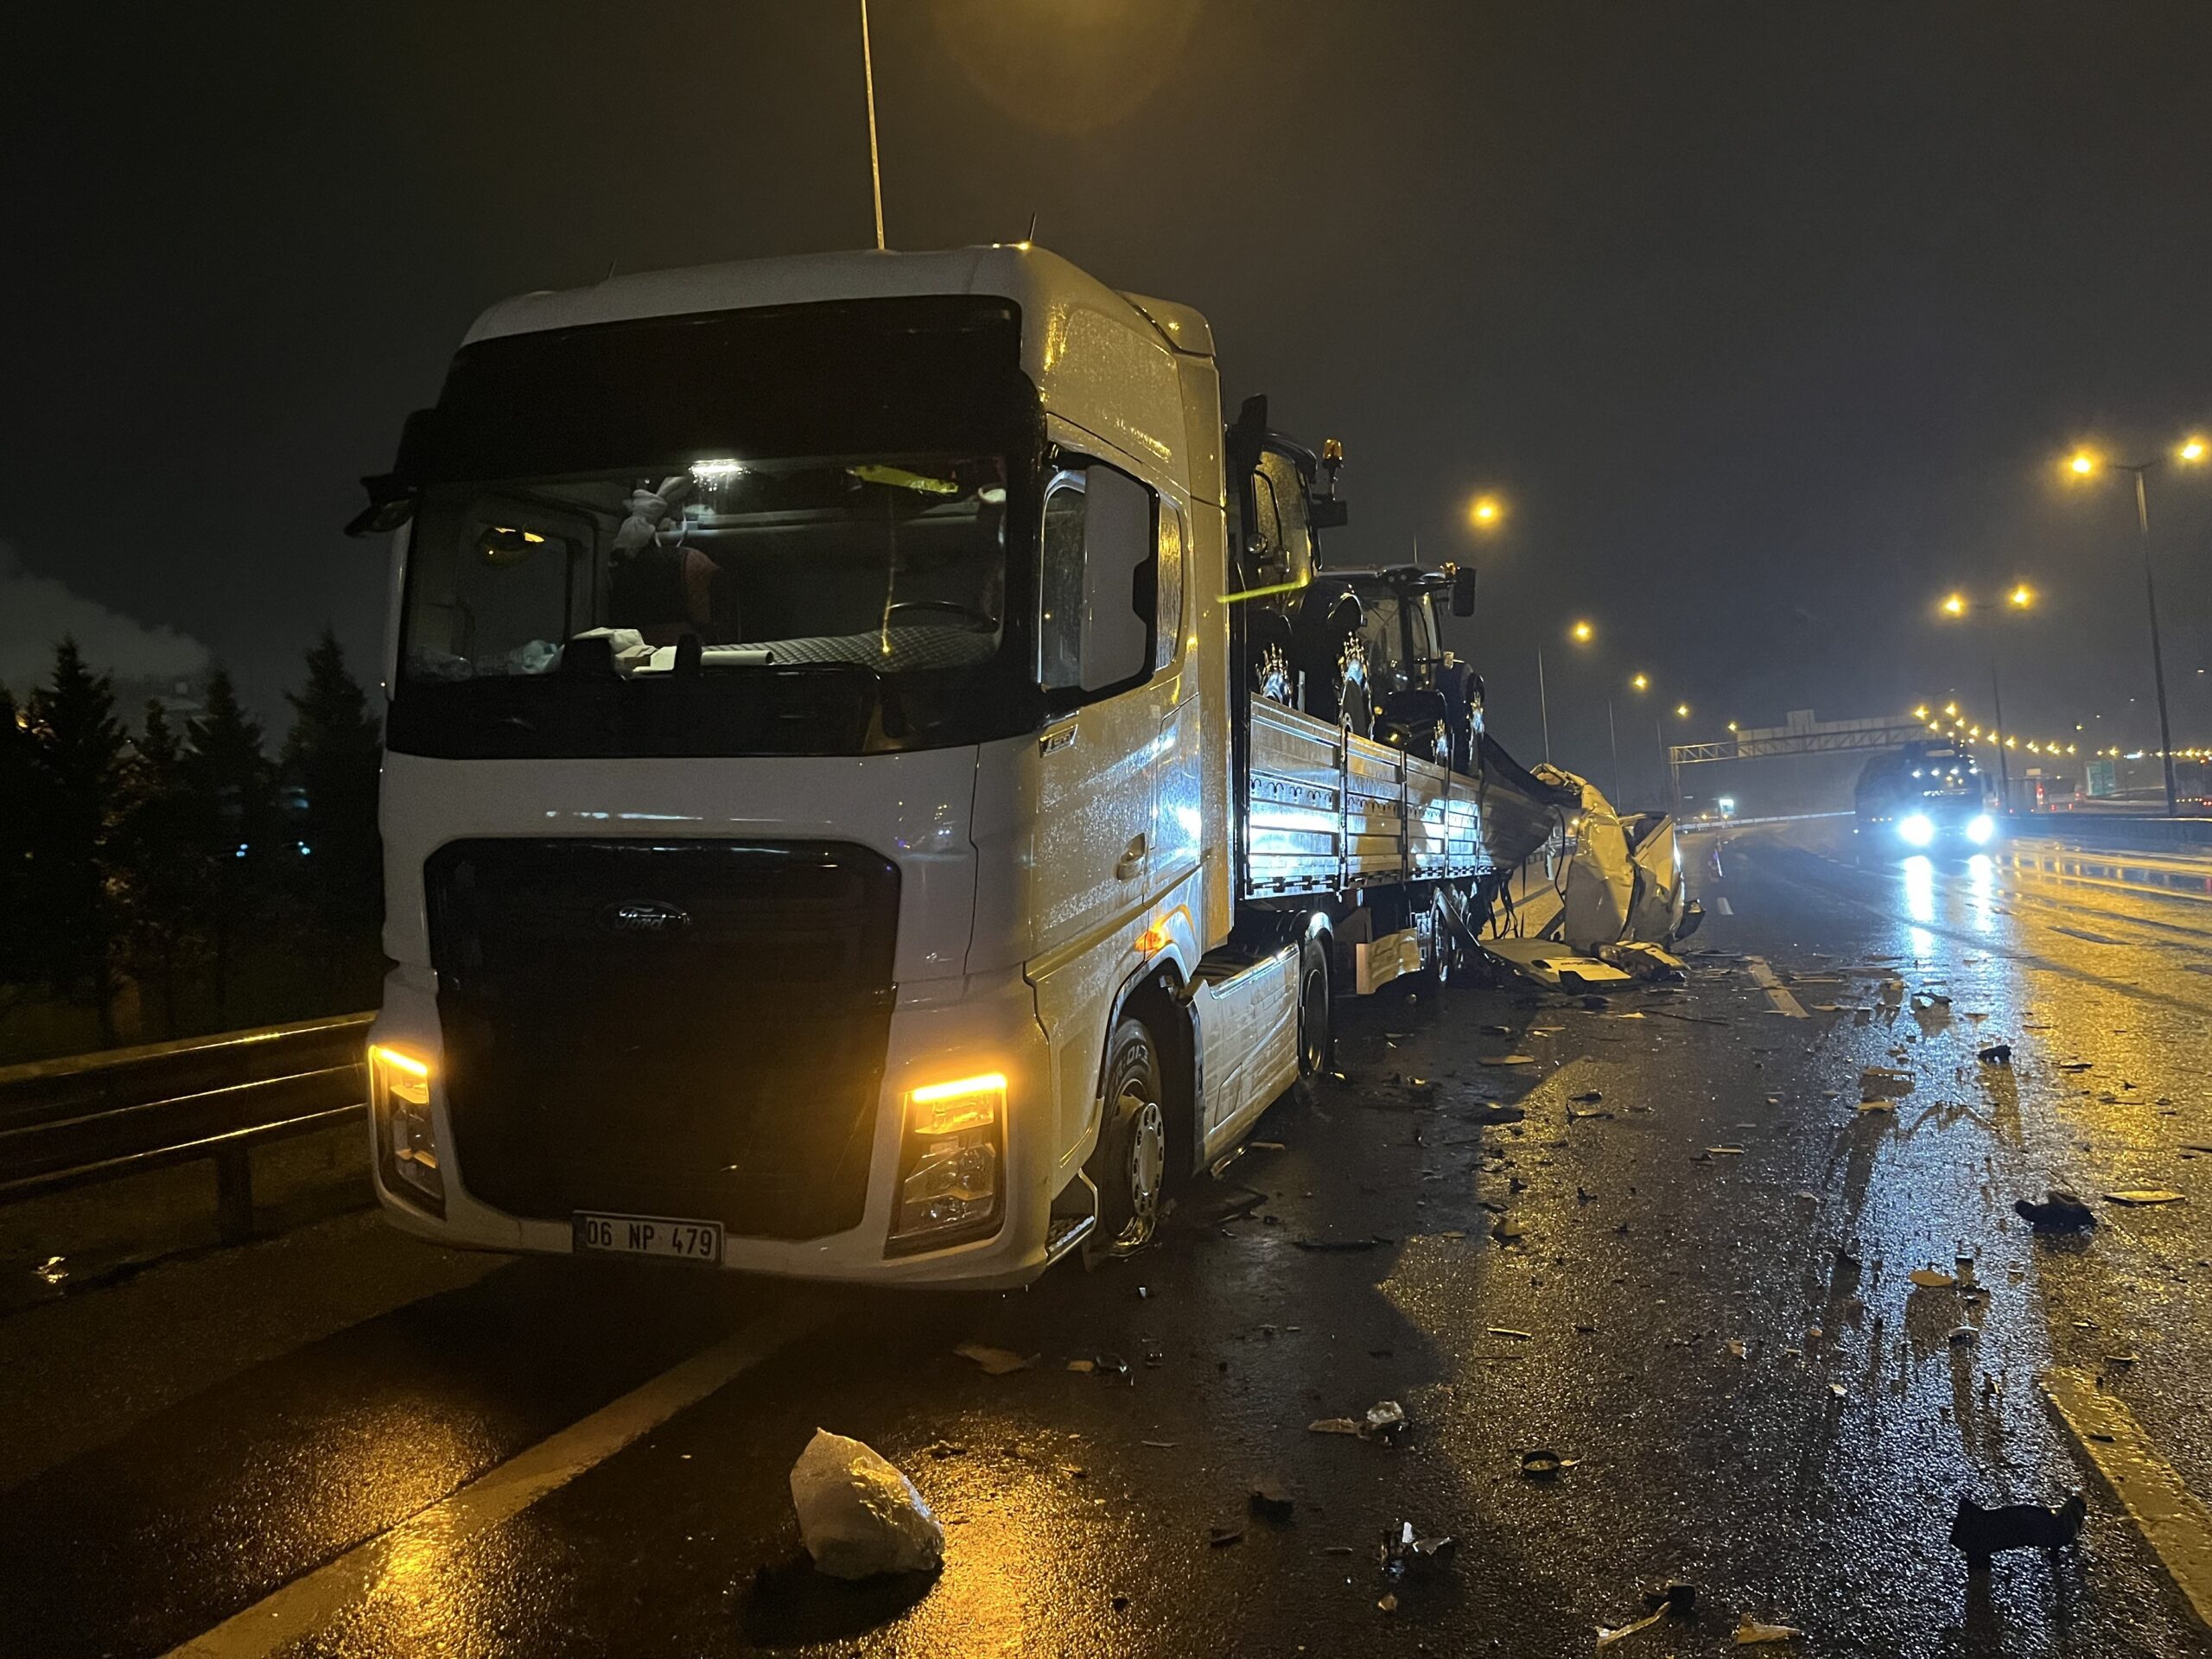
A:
[849, 812]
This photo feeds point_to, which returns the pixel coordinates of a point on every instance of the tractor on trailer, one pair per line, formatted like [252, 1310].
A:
[838, 819]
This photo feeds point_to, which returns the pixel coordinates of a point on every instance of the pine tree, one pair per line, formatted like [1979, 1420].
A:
[232, 815]
[331, 756]
[162, 875]
[21, 808]
[77, 752]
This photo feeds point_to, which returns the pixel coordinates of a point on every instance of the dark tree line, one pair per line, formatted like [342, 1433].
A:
[161, 857]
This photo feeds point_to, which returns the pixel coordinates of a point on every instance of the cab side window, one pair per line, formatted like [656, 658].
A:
[1098, 594]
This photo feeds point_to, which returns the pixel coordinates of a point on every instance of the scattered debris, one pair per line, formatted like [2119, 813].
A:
[1505, 1330]
[1606, 1638]
[1750, 1631]
[1979, 1534]
[1588, 1097]
[1226, 1532]
[1385, 1421]
[1996, 1054]
[2061, 1211]
[1541, 1463]
[1511, 1059]
[1404, 1554]
[1736, 1347]
[996, 1361]
[1726, 1151]
[1882, 1082]
[858, 1516]
[2144, 1195]
[1085, 1366]
[1878, 1106]
[1337, 1245]
[1492, 1111]
[1507, 1230]
[1271, 1499]
[1933, 1279]
[1573, 1116]
[1332, 1426]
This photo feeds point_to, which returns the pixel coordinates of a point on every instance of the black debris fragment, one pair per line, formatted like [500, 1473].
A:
[1270, 1499]
[1978, 1534]
[2061, 1211]
[1996, 1054]
[1405, 1555]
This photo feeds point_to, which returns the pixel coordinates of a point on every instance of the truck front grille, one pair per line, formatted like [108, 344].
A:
[690, 1028]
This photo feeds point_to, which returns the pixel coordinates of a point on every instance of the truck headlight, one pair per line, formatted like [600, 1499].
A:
[1918, 830]
[407, 1143]
[1981, 828]
[951, 1152]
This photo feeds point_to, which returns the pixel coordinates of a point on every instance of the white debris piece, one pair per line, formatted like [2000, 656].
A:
[858, 1514]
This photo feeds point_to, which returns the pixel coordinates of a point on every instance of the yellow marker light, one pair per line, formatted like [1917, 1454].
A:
[407, 1141]
[412, 1081]
[964, 1103]
[2195, 449]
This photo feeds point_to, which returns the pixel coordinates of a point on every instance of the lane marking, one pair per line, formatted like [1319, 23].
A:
[1777, 992]
[2173, 1520]
[1721, 906]
[309, 1604]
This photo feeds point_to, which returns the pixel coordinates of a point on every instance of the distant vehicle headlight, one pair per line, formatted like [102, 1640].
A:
[1918, 830]
[1981, 828]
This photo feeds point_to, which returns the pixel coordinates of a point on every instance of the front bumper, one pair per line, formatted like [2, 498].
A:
[946, 1029]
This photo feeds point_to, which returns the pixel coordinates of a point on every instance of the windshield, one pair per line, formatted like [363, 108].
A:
[798, 530]
[895, 563]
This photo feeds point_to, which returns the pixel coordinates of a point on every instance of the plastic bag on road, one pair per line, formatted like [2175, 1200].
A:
[858, 1514]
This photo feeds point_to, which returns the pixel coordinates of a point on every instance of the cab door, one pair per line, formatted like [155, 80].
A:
[1095, 856]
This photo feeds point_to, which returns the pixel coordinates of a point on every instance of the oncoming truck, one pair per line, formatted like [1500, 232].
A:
[831, 827]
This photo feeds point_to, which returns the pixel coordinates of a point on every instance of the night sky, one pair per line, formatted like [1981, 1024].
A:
[1770, 321]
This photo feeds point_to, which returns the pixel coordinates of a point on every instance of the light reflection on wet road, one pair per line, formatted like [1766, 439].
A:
[1706, 1301]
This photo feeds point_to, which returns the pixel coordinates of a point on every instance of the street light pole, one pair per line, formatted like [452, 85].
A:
[1543, 705]
[1613, 739]
[1997, 702]
[875, 160]
[2157, 659]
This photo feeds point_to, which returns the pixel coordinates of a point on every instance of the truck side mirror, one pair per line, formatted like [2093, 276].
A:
[1463, 590]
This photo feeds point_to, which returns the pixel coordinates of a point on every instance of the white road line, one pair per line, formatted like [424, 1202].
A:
[1777, 992]
[1721, 906]
[307, 1605]
[2170, 1517]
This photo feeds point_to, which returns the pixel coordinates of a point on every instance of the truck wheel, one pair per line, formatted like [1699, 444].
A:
[1129, 1165]
[1316, 1031]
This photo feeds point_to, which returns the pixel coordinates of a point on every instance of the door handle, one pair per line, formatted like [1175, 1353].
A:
[1132, 860]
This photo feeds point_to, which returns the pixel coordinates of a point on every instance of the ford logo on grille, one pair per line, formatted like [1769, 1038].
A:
[644, 915]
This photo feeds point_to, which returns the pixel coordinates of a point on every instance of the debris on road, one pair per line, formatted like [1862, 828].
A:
[1607, 1638]
[1226, 1532]
[1884, 1082]
[1332, 1246]
[858, 1516]
[1270, 1498]
[1588, 1097]
[1933, 1279]
[1511, 1059]
[2144, 1195]
[1726, 1151]
[1492, 1111]
[1996, 1054]
[1385, 1421]
[1541, 1463]
[1507, 1230]
[995, 1362]
[1506, 1330]
[1332, 1426]
[1404, 1554]
[1750, 1631]
[1978, 1534]
[2061, 1211]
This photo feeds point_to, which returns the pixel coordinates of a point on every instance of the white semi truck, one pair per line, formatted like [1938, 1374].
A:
[846, 813]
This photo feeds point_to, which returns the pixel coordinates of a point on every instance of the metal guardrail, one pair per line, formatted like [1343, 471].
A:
[96, 1117]
[2115, 831]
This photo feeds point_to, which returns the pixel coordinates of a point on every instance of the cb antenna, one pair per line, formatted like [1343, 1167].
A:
[1029, 236]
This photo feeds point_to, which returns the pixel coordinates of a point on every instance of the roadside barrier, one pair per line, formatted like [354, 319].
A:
[73, 1123]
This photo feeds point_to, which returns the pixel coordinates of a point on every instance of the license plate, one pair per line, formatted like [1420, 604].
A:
[686, 1240]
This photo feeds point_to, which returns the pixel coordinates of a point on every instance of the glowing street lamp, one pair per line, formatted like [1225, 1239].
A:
[2021, 597]
[1581, 634]
[1485, 511]
[1959, 607]
[1682, 711]
[2085, 465]
[1641, 682]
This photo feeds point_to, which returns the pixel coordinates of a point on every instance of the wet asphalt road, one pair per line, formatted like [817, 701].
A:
[1748, 1411]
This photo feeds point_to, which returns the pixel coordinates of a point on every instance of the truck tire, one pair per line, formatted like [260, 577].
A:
[1316, 1040]
[1129, 1164]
